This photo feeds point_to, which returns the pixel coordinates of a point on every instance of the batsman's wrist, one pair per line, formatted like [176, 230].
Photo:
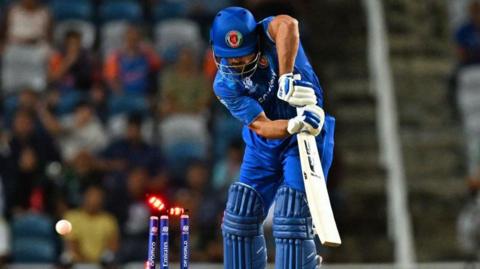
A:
[285, 76]
[285, 86]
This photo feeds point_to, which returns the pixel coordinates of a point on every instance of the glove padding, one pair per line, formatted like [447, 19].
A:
[295, 91]
[310, 121]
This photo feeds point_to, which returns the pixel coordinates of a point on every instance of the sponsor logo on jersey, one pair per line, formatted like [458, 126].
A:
[248, 84]
[271, 86]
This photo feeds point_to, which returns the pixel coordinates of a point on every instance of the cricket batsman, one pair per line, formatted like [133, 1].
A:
[263, 76]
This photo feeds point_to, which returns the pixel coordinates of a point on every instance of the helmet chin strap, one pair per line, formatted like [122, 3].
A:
[227, 71]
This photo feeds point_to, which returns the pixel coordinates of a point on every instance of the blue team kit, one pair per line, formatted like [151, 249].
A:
[271, 169]
[269, 163]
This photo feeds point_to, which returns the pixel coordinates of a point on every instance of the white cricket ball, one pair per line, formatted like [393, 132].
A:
[63, 227]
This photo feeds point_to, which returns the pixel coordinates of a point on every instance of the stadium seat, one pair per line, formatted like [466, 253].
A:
[33, 239]
[169, 10]
[4, 4]
[468, 100]
[68, 10]
[24, 66]
[33, 251]
[87, 30]
[184, 137]
[127, 103]
[117, 127]
[112, 34]
[179, 155]
[174, 33]
[211, 6]
[225, 130]
[32, 225]
[120, 11]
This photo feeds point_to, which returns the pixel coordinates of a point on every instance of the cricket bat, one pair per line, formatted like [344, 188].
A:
[316, 189]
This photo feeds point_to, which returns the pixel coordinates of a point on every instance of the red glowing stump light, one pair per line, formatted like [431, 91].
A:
[156, 203]
[176, 211]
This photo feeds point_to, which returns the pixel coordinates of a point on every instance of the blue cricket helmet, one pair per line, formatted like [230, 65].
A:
[234, 33]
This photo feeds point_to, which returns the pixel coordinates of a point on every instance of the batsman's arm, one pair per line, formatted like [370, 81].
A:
[283, 29]
[309, 120]
[271, 129]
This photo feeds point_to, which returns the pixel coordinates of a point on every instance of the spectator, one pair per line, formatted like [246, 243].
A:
[95, 236]
[196, 179]
[466, 37]
[4, 241]
[25, 46]
[98, 96]
[468, 234]
[227, 169]
[6, 186]
[463, 91]
[4, 229]
[26, 100]
[130, 72]
[185, 90]
[71, 66]
[28, 22]
[185, 95]
[77, 133]
[71, 70]
[3, 189]
[132, 151]
[224, 127]
[77, 176]
[209, 66]
[29, 154]
[117, 127]
[132, 213]
[202, 204]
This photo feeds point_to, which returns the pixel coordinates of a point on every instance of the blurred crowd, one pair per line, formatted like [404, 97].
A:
[465, 94]
[102, 103]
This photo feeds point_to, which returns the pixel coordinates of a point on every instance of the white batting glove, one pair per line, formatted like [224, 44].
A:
[310, 121]
[296, 92]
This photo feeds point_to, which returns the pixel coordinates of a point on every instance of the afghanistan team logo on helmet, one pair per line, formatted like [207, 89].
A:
[234, 39]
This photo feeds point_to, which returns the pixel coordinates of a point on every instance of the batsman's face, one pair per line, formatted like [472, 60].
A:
[238, 63]
[237, 68]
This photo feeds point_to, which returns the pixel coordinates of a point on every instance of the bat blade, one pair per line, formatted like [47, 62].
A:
[317, 193]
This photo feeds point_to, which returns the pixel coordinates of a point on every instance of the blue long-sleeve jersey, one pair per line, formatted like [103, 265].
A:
[247, 98]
